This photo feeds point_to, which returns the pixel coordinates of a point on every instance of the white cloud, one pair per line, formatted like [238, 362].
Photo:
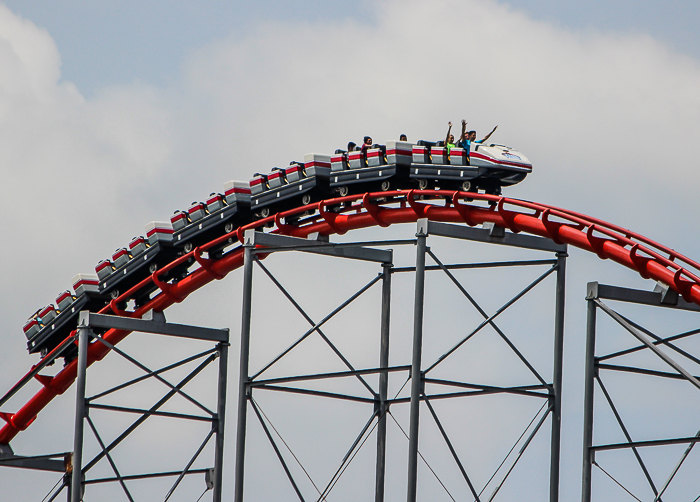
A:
[610, 123]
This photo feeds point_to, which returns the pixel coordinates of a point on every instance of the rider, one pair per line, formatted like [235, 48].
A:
[449, 138]
[465, 139]
[367, 142]
[472, 135]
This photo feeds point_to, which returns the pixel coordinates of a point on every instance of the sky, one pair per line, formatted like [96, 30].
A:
[116, 114]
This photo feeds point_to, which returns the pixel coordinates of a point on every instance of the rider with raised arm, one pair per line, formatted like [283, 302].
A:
[473, 135]
[465, 140]
[449, 138]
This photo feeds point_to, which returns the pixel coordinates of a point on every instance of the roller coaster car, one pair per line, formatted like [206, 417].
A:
[369, 170]
[487, 167]
[399, 164]
[50, 326]
[500, 164]
[298, 184]
[164, 242]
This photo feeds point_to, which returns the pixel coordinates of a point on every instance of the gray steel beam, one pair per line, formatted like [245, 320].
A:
[112, 464]
[278, 242]
[312, 323]
[657, 341]
[626, 433]
[557, 377]
[78, 431]
[319, 393]
[416, 374]
[39, 463]
[317, 325]
[487, 235]
[150, 411]
[652, 298]
[488, 320]
[520, 453]
[220, 423]
[646, 340]
[588, 402]
[243, 378]
[452, 450]
[642, 444]
[490, 264]
[642, 371]
[277, 451]
[335, 374]
[153, 475]
[140, 411]
[383, 385]
[92, 320]
[346, 460]
[468, 393]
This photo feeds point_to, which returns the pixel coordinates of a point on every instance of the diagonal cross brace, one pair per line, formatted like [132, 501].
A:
[646, 340]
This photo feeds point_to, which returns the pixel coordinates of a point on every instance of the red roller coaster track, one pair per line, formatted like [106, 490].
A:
[651, 260]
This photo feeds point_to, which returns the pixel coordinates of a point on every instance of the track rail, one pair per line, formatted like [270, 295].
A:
[337, 216]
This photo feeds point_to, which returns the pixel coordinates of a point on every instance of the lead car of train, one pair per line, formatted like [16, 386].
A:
[396, 165]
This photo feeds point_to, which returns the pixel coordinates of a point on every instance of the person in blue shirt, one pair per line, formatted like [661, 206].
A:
[465, 139]
[472, 136]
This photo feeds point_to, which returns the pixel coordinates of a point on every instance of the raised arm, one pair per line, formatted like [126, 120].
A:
[447, 136]
[489, 134]
[464, 131]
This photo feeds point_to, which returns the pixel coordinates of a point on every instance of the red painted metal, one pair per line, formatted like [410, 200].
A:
[650, 259]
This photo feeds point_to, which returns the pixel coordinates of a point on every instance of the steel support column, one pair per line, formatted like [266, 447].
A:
[244, 359]
[220, 422]
[76, 477]
[589, 392]
[557, 378]
[383, 383]
[416, 375]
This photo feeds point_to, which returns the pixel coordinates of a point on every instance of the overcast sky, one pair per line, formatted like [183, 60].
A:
[116, 114]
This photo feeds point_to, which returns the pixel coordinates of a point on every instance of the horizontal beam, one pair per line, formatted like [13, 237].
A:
[470, 393]
[488, 235]
[91, 320]
[276, 242]
[323, 376]
[317, 393]
[642, 371]
[466, 385]
[596, 291]
[138, 411]
[640, 444]
[145, 476]
[649, 342]
[493, 264]
[39, 463]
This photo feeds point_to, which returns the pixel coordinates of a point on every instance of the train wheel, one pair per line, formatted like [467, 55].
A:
[228, 227]
[385, 185]
[466, 186]
[343, 191]
[422, 184]
[114, 294]
[306, 199]
[189, 246]
[152, 267]
[265, 212]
